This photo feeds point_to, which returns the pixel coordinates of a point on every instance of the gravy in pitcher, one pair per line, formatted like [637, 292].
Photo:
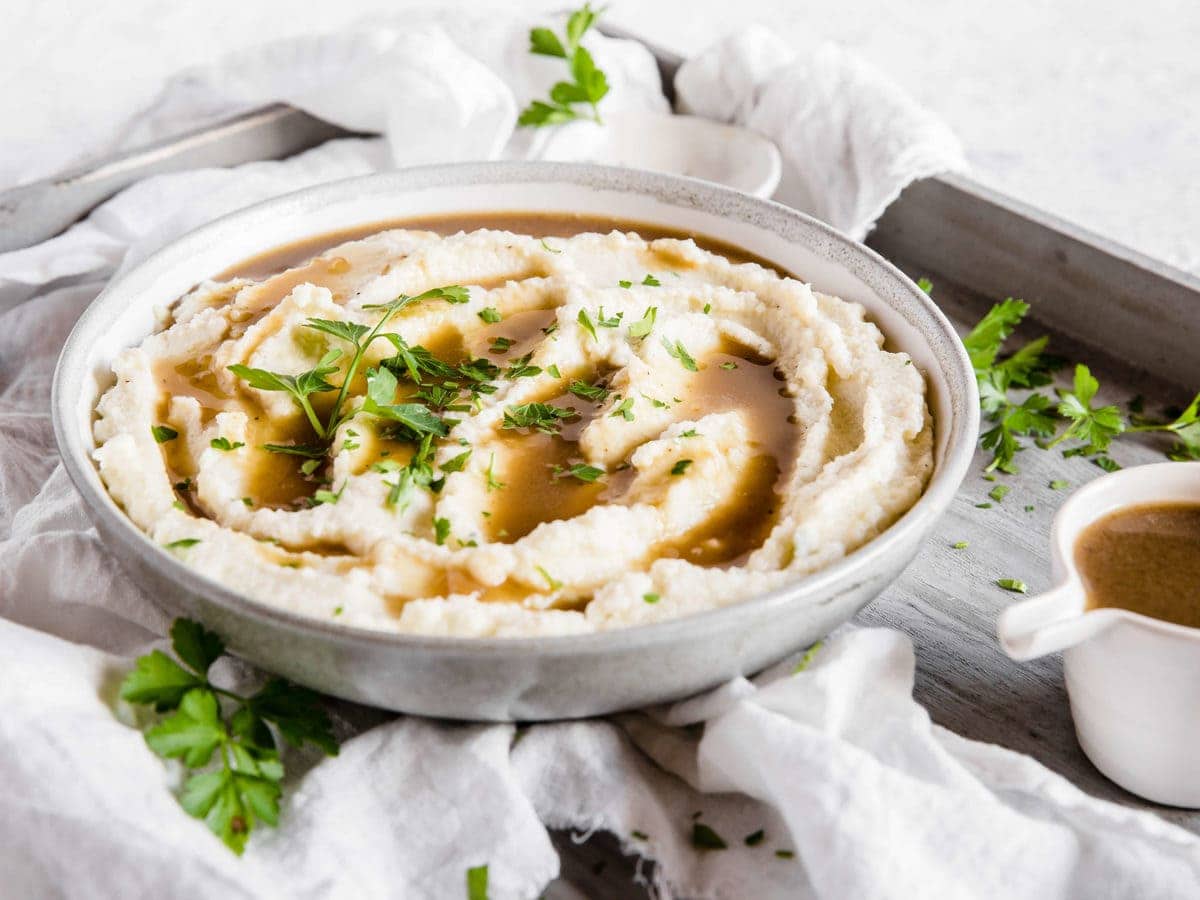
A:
[1146, 559]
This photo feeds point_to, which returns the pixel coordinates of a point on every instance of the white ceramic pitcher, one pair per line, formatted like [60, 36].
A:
[1134, 681]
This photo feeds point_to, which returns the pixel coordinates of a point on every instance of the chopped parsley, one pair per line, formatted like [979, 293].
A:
[477, 883]
[753, 840]
[690, 433]
[925, 284]
[625, 284]
[162, 433]
[490, 477]
[704, 838]
[624, 409]
[580, 471]
[679, 352]
[552, 371]
[457, 463]
[639, 835]
[547, 247]
[553, 582]
[1016, 585]
[806, 660]
[441, 530]
[610, 321]
[584, 391]
[489, 314]
[500, 345]
[223, 443]
[520, 368]
[312, 451]
[729, 366]
[642, 327]
[960, 545]
[651, 598]
[585, 322]
[182, 543]
[651, 281]
[1059, 485]
[999, 492]
[540, 416]
[680, 466]
[327, 496]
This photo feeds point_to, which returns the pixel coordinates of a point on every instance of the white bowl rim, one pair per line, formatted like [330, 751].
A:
[673, 189]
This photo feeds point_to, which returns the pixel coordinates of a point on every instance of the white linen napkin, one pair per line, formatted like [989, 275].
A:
[837, 765]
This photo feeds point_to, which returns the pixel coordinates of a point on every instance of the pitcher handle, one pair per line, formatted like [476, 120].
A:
[1047, 623]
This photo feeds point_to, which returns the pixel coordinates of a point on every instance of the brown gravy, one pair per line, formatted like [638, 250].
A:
[1145, 559]
[530, 465]
[539, 225]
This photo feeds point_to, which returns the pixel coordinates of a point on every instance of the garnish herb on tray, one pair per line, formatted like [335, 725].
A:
[224, 740]
[1073, 418]
[588, 85]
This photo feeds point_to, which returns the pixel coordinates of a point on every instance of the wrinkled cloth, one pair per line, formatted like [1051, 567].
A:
[855, 791]
[850, 139]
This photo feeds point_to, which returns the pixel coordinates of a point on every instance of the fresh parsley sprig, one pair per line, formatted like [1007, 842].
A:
[224, 739]
[588, 84]
[360, 337]
[1092, 428]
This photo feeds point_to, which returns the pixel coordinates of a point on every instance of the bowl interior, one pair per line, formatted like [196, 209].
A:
[126, 312]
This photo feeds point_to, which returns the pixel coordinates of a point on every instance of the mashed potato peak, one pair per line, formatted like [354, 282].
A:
[557, 436]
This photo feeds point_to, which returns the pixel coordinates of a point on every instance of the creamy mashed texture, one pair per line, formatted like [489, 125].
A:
[556, 435]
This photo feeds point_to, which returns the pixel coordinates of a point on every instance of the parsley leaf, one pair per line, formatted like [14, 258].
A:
[588, 85]
[680, 466]
[553, 582]
[477, 883]
[585, 322]
[223, 443]
[540, 416]
[489, 314]
[243, 788]
[679, 352]
[594, 392]
[581, 471]
[1095, 426]
[457, 463]
[624, 409]
[641, 328]
[415, 419]
[520, 368]
[162, 433]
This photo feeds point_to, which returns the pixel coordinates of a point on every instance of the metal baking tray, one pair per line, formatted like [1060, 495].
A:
[1134, 320]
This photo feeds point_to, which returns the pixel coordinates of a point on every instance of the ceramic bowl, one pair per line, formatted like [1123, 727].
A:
[1133, 681]
[523, 678]
[674, 144]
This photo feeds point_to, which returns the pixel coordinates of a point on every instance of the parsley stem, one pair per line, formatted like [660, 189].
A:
[312, 417]
[360, 348]
[350, 373]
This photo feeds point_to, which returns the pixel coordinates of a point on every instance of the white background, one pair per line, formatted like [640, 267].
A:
[1088, 109]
